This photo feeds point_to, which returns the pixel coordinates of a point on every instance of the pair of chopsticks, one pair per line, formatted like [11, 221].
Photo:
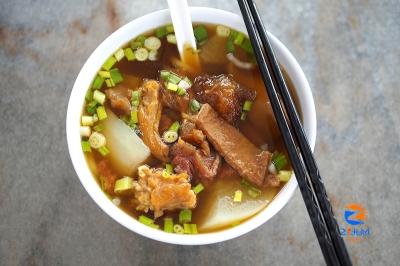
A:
[303, 163]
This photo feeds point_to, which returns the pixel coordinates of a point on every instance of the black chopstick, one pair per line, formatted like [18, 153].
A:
[319, 219]
[301, 139]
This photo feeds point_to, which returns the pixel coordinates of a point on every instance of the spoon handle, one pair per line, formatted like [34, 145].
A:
[180, 16]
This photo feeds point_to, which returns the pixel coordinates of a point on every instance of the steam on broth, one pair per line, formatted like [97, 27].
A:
[184, 147]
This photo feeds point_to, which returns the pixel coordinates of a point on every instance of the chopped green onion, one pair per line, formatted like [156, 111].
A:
[104, 74]
[99, 97]
[279, 160]
[152, 43]
[238, 196]
[110, 83]
[101, 112]
[171, 38]
[243, 116]
[169, 28]
[230, 48]
[123, 184]
[160, 32]
[185, 216]
[140, 38]
[98, 127]
[87, 120]
[97, 83]
[200, 33]
[188, 81]
[181, 91]
[174, 127]
[239, 39]
[172, 86]
[116, 76]
[145, 220]
[109, 63]
[141, 54]
[198, 188]
[86, 146]
[247, 106]
[284, 176]
[184, 84]
[170, 136]
[135, 100]
[103, 151]
[134, 116]
[119, 54]
[97, 140]
[89, 95]
[193, 228]
[91, 107]
[129, 54]
[169, 168]
[85, 131]
[168, 225]
[178, 229]
[173, 78]
[135, 45]
[223, 31]
[254, 193]
[165, 173]
[194, 106]
[95, 118]
[187, 229]
[164, 74]
[153, 55]
[155, 226]
[246, 45]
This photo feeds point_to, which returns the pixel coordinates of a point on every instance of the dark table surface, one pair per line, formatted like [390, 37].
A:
[350, 53]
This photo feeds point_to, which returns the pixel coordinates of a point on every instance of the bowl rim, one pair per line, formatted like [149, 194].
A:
[119, 38]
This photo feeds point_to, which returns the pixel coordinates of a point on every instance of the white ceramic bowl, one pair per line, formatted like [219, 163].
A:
[120, 38]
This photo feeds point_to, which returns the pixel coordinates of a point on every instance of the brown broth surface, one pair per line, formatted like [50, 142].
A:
[259, 127]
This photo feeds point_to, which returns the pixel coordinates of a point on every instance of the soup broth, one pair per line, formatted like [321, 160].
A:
[225, 200]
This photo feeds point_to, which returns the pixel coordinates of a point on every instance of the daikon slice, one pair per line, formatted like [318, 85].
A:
[127, 150]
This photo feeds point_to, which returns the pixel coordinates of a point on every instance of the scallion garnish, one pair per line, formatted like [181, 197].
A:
[99, 97]
[170, 136]
[194, 106]
[160, 32]
[103, 151]
[97, 83]
[109, 63]
[279, 160]
[180, 91]
[169, 28]
[230, 48]
[135, 100]
[146, 220]
[168, 225]
[116, 76]
[251, 190]
[247, 106]
[254, 193]
[91, 107]
[178, 229]
[164, 74]
[246, 45]
[98, 127]
[243, 116]
[152, 43]
[110, 83]
[169, 168]
[174, 127]
[284, 175]
[87, 120]
[119, 54]
[190, 228]
[101, 112]
[97, 140]
[104, 74]
[173, 78]
[200, 33]
[89, 95]
[171, 38]
[172, 86]
[223, 31]
[86, 146]
[141, 54]
[238, 196]
[185, 216]
[85, 131]
[123, 184]
[198, 188]
[239, 38]
[129, 54]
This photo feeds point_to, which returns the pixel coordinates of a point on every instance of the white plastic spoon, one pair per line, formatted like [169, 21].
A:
[182, 22]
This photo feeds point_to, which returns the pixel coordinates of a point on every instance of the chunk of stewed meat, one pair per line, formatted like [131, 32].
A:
[119, 97]
[224, 94]
[172, 100]
[149, 116]
[189, 133]
[187, 158]
[247, 159]
[153, 192]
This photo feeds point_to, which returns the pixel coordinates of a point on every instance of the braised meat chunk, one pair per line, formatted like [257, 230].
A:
[247, 159]
[153, 192]
[119, 97]
[149, 116]
[187, 158]
[224, 94]
[191, 134]
[172, 100]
